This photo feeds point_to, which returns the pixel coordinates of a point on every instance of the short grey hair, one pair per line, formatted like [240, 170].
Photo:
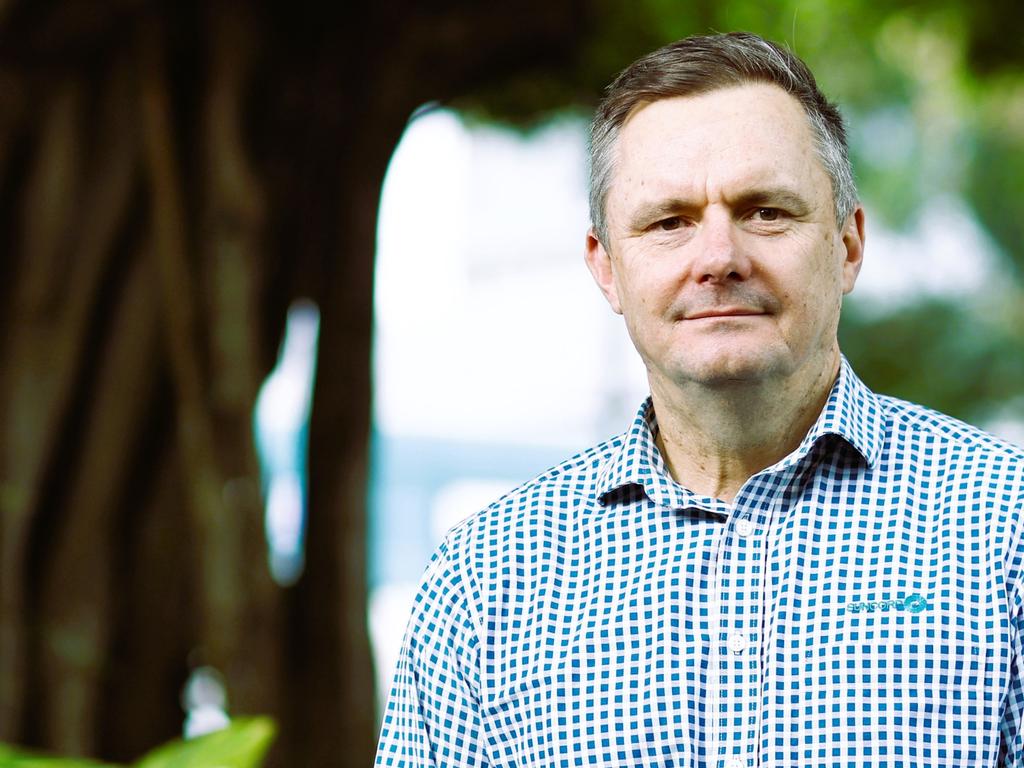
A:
[701, 64]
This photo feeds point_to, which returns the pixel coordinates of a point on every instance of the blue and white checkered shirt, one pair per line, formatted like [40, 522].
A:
[858, 604]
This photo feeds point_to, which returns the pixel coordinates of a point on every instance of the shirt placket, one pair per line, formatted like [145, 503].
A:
[737, 672]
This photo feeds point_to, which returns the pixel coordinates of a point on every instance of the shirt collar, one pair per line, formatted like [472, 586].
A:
[637, 461]
[851, 412]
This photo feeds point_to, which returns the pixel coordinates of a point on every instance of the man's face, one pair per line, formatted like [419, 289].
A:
[723, 252]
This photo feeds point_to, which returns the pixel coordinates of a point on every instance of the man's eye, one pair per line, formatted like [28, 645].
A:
[669, 224]
[767, 214]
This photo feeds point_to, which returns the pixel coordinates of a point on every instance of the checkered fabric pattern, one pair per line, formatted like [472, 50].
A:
[858, 604]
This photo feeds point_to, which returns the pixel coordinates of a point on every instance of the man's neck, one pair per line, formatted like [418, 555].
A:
[714, 440]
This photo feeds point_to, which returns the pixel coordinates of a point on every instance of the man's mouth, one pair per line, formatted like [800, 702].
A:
[723, 312]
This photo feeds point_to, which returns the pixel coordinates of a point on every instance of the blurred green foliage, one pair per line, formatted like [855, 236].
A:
[241, 745]
[934, 96]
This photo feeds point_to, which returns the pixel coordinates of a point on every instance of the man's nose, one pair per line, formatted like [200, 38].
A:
[719, 256]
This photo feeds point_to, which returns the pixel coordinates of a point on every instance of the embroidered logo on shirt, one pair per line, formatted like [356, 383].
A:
[914, 603]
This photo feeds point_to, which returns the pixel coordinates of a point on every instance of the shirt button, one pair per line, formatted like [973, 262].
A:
[744, 527]
[735, 762]
[738, 643]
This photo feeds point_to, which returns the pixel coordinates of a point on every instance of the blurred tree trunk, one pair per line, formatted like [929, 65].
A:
[171, 178]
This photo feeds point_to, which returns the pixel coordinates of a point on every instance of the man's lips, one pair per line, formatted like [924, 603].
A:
[723, 312]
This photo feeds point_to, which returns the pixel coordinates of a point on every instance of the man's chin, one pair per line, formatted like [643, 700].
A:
[732, 370]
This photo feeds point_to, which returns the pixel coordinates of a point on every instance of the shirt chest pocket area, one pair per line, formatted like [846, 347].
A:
[908, 669]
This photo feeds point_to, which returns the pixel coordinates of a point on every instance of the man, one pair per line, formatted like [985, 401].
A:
[773, 566]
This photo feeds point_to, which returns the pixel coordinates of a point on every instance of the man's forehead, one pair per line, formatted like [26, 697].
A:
[708, 111]
[751, 135]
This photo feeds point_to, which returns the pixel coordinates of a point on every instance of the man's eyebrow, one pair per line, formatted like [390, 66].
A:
[775, 197]
[649, 212]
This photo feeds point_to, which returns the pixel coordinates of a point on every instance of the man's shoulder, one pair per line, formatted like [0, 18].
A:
[948, 431]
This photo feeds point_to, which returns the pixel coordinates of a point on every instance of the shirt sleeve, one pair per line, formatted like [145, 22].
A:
[432, 717]
[1011, 744]
[1011, 748]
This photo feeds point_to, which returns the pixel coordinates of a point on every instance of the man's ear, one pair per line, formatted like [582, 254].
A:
[599, 262]
[853, 248]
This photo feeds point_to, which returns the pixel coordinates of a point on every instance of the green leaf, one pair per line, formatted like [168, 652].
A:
[240, 745]
[17, 758]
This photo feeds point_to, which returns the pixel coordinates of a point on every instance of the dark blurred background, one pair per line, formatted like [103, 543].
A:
[175, 177]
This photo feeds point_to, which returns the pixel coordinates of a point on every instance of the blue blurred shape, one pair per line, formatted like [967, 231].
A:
[281, 423]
